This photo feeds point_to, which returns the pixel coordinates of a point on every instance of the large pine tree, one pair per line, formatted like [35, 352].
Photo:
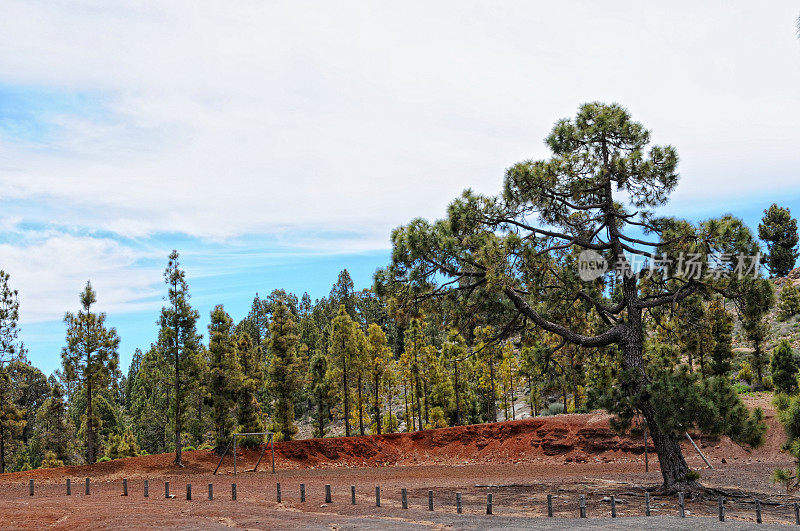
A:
[179, 340]
[90, 359]
[512, 259]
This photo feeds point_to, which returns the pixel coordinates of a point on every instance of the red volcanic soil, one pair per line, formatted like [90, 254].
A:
[520, 461]
[579, 438]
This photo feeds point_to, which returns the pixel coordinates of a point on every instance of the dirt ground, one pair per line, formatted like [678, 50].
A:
[519, 463]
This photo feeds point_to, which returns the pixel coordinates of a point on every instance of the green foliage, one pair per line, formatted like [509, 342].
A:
[692, 475]
[284, 378]
[784, 477]
[224, 377]
[685, 401]
[721, 327]
[779, 230]
[745, 373]
[556, 408]
[741, 388]
[104, 459]
[784, 368]
[122, 445]
[788, 301]
[90, 359]
[51, 460]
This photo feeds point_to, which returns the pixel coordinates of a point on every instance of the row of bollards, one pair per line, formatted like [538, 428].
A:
[404, 499]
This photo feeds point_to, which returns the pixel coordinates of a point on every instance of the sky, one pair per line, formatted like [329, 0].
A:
[276, 143]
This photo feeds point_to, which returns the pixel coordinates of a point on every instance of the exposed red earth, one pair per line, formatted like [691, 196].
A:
[520, 462]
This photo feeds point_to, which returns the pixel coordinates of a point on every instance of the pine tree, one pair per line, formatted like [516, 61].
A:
[12, 418]
[89, 359]
[9, 319]
[414, 343]
[784, 368]
[150, 401]
[10, 415]
[225, 377]
[342, 351]
[779, 230]
[342, 294]
[758, 297]
[721, 327]
[454, 353]
[490, 356]
[179, 339]
[320, 390]
[249, 411]
[788, 301]
[55, 431]
[378, 357]
[284, 377]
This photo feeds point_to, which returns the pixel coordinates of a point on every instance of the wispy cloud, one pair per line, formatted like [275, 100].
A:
[317, 128]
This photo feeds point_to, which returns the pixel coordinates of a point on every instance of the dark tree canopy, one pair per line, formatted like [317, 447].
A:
[778, 229]
[513, 260]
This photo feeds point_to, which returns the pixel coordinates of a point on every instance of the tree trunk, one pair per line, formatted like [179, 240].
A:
[360, 408]
[2, 449]
[673, 465]
[458, 408]
[513, 409]
[89, 424]
[346, 400]
[492, 401]
[377, 405]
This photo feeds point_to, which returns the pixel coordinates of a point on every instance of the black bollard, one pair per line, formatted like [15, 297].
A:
[550, 505]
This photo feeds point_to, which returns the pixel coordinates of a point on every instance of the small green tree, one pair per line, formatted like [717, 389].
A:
[284, 377]
[90, 358]
[225, 377]
[788, 302]
[342, 350]
[378, 355]
[122, 445]
[320, 391]
[721, 328]
[779, 230]
[784, 368]
[55, 431]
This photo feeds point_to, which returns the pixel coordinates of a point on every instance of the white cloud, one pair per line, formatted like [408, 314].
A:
[354, 117]
[50, 270]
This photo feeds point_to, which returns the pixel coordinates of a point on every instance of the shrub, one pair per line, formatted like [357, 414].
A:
[104, 459]
[122, 445]
[556, 408]
[692, 475]
[766, 382]
[188, 449]
[741, 388]
[788, 302]
[784, 368]
[784, 476]
[51, 460]
[745, 373]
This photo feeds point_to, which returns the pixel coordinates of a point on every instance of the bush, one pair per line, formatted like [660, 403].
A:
[51, 460]
[784, 368]
[741, 388]
[104, 459]
[188, 449]
[766, 382]
[692, 475]
[788, 302]
[556, 408]
[122, 445]
[745, 373]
